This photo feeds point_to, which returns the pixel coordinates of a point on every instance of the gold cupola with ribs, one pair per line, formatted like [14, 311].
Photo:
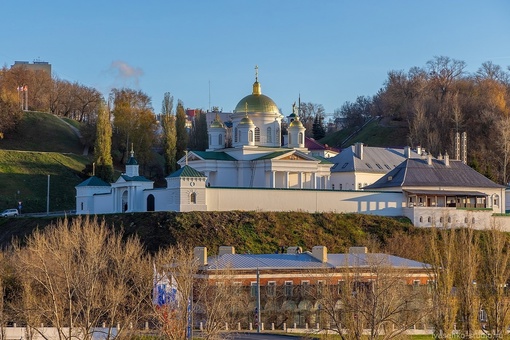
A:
[257, 102]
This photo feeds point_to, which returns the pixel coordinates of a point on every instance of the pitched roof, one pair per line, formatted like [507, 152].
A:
[135, 178]
[312, 144]
[93, 182]
[417, 172]
[375, 160]
[305, 261]
[186, 171]
[214, 155]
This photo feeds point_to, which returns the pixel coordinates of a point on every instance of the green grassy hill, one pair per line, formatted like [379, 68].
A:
[383, 133]
[256, 232]
[42, 145]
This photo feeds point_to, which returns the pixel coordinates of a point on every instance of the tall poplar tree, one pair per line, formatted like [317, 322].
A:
[103, 145]
[169, 133]
[180, 130]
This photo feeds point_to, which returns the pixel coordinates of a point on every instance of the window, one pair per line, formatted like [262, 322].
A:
[210, 139]
[277, 135]
[421, 219]
[320, 287]
[378, 165]
[429, 219]
[235, 135]
[250, 136]
[271, 288]
[257, 134]
[332, 186]
[300, 138]
[340, 286]
[340, 186]
[220, 139]
[473, 220]
[269, 137]
[449, 220]
[465, 220]
[253, 289]
[288, 288]
[81, 205]
[345, 164]
[305, 288]
[359, 185]
[368, 165]
[387, 166]
[440, 219]
[290, 138]
[193, 198]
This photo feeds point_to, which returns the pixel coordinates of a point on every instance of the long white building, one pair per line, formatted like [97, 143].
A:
[254, 171]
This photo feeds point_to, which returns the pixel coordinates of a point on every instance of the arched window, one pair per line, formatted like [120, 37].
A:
[220, 139]
[257, 134]
[429, 219]
[250, 136]
[421, 219]
[193, 198]
[210, 139]
[269, 137]
[300, 138]
[151, 203]
[235, 135]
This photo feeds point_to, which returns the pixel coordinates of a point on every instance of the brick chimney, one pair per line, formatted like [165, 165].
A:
[226, 250]
[358, 150]
[320, 253]
[200, 255]
[358, 250]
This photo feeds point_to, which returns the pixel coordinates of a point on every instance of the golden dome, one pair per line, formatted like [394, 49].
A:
[257, 102]
[246, 120]
[217, 123]
[296, 123]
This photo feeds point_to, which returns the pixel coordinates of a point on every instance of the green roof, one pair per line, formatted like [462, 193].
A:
[93, 182]
[132, 161]
[323, 160]
[219, 156]
[186, 171]
[135, 178]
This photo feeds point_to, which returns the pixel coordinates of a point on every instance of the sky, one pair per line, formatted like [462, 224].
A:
[204, 52]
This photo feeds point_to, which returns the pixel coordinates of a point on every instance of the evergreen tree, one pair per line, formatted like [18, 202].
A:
[198, 137]
[318, 127]
[169, 133]
[103, 145]
[169, 143]
[180, 130]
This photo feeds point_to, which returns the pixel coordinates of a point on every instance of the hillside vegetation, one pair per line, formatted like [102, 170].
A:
[254, 232]
[42, 145]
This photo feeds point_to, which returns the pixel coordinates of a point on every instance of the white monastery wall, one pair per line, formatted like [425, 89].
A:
[376, 203]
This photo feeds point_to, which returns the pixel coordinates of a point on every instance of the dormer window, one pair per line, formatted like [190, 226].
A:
[390, 178]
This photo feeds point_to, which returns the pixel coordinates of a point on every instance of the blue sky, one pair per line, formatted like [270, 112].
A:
[204, 52]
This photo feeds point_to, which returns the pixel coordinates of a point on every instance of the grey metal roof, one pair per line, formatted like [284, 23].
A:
[305, 260]
[417, 172]
[375, 160]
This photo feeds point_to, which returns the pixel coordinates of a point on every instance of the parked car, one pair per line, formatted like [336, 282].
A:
[9, 212]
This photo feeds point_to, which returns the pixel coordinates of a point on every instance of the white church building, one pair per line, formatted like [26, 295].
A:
[255, 172]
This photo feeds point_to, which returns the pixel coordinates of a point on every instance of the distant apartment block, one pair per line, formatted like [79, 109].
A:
[35, 66]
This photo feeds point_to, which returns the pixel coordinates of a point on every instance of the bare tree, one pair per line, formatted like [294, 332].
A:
[493, 281]
[78, 274]
[180, 266]
[441, 257]
[372, 295]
